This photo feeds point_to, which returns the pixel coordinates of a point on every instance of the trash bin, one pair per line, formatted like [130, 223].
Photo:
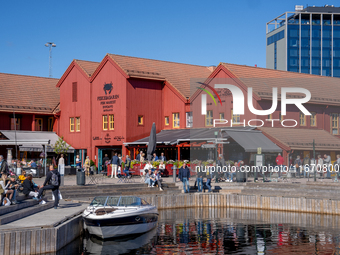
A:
[80, 176]
[241, 176]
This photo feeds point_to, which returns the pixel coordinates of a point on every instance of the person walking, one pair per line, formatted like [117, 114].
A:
[200, 175]
[184, 176]
[78, 162]
[61, 160]
[127, 166]
[105, 162]
[298, 164]
[51, 182]
[114, 162]
[279, 162]
[3, 166]
[327, 161]
[208, 183]
[306, 166]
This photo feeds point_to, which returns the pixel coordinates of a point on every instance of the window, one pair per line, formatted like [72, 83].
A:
[71, 124]
[313, 119]
[140, 119]
[38, 124]
[209, 118]
[74, 92]
[235, 118]
[175, 120]
[15, 123]
[111, 122]
[269, 116]
[188, 116]
[335, 123]
[221, 115]
[166, 120]
[302, 119]
[50, 124]
[104, 122]
[77, 124]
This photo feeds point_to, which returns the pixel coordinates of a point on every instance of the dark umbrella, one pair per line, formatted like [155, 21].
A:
[152, 142]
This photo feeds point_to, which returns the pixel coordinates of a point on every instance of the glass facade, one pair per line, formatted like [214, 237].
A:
[313, 43]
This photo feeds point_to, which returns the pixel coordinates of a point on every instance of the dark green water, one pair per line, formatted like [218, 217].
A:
[224, 231]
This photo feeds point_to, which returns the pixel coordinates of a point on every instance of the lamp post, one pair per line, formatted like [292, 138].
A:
[216, 133]
[50, 45]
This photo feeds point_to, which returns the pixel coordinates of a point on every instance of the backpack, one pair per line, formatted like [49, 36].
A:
[54, 179]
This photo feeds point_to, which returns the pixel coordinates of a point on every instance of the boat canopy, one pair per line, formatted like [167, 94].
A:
[118, 201]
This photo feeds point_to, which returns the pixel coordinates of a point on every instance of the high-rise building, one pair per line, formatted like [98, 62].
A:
[305, 41]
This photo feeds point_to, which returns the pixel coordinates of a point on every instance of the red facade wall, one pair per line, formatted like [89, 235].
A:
[117, 106]
[172, 103]
[144, 98]
[81, 108]
[129, 98]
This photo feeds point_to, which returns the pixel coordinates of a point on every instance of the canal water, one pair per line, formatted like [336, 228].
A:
[224, 231]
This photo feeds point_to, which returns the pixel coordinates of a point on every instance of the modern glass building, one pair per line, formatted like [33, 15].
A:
[305, 41]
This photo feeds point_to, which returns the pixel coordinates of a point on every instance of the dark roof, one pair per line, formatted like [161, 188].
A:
[22, 93]
[177, 74]
[247, 137]
[262, 80]
[327, 9]
[302, 139]
[88, 66]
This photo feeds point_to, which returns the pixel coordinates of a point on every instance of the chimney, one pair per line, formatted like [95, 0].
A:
[211, 68]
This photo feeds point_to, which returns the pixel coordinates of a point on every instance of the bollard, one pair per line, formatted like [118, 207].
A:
[174, 171]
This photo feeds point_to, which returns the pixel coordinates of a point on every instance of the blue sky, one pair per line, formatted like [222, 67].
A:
[193, 32]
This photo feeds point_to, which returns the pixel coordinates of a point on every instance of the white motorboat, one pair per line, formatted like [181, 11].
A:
[120, 245]
[114, 216]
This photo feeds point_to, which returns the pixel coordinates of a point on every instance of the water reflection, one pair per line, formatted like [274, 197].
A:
[225, 231]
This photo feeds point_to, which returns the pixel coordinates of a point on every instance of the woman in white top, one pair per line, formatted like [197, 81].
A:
[161, 167]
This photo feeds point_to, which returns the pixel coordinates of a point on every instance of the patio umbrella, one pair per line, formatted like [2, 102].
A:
[152, 142]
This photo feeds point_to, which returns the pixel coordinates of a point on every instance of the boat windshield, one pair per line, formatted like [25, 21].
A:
[98, 201]
[118, 201]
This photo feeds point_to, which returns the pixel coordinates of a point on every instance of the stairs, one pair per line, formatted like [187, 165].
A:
[87, 193]
[23, 209]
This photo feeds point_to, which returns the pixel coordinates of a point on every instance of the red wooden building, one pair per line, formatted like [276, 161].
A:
[104, 105]
[27, 103]
[322, 125]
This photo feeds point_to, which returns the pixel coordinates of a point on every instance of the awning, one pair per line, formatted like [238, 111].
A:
[246, 137]
[30, 140]
[175, 136]
[250, 140]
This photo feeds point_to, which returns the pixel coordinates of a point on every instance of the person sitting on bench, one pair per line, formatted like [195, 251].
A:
[158, 180]
[29, 188]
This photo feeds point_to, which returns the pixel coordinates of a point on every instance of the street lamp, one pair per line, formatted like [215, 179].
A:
[50, 45]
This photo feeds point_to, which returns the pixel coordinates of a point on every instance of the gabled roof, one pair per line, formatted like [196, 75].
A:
[177, 74]
[88, 66]
[22, 93]
[302, 139]
[323, 89]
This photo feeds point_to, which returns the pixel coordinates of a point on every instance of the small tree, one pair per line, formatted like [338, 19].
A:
[60, 147]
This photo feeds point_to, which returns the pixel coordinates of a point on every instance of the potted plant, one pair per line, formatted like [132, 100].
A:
[169, 165]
